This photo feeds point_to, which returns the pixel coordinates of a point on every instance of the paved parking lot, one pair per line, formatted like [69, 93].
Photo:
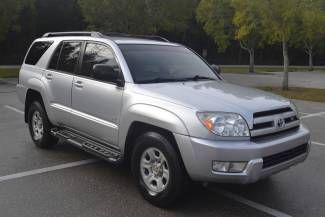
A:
[308, 79]
[65, 181]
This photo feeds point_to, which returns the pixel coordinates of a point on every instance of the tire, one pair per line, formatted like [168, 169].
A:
[40, 126]
[165, 192]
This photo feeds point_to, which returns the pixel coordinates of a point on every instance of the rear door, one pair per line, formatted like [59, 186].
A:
[96, 102]
[58, 79]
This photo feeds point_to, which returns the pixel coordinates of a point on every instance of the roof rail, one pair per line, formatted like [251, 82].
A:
[150, 37]
[58, 34]
[100, 35]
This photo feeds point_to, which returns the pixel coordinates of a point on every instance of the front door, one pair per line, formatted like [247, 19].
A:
[96, 102]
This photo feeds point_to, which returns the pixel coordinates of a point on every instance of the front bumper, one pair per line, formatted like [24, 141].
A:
[198, 154]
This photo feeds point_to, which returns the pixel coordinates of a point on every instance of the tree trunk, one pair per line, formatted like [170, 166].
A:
[311, 64]
[251, 61]
[285, 85]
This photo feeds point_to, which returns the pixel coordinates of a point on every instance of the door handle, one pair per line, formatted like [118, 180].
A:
[49, 76]
[78, 84]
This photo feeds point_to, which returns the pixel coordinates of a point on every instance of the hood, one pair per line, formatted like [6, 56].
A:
[214, 96]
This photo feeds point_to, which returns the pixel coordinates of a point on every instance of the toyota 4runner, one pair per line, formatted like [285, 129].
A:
[159, 106]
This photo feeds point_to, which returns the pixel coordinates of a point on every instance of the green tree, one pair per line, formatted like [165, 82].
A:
[170, 15]
[312, 28]
[279, 20]
[127, 16]
[137, 16]
[216, 18]
[247, 21]
[9, 13]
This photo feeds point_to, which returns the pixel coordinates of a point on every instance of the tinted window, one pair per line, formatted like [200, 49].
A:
[99, 63]
[55, 57]
[36, 52]
[154, 63]
[69, 56]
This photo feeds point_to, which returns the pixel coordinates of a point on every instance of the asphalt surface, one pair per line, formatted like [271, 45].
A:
[101, 189]
[313, 79]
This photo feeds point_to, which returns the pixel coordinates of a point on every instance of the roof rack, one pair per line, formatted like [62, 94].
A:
[100, 35]
[150, 37]
[59, 34]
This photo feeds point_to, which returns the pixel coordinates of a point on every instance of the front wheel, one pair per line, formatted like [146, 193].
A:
[39, 126]
[158, 169]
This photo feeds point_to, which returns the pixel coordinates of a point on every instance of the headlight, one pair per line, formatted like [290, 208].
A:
[224, 124]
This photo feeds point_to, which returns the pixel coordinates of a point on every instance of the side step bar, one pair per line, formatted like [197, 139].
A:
[101, 150]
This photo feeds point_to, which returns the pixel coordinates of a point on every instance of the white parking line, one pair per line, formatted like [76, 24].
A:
[319, 114]
[250, 203]
[318, 143]
[47, 169]
[14, 109]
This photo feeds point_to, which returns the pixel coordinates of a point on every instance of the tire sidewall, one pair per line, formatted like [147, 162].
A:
[46, 140]
[168, 195]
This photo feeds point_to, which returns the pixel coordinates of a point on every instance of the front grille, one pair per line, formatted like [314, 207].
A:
[272, 112]
[284, 156]
[271, 135]
[268, 122]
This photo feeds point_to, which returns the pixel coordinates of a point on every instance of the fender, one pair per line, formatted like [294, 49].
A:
[152, 115]
[37, 85]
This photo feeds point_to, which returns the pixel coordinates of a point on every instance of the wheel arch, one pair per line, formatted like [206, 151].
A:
[31, 96]
[138, 128]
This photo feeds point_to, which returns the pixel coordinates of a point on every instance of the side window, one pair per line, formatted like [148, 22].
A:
[69, 56]
[99, 63]
[36, 51]
[55, 57]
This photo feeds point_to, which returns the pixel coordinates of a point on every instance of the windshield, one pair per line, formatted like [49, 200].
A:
[157, 63]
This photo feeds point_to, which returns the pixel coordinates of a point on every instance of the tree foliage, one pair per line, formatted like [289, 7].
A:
[311, 29]
[137, 16]
[248, 26]
[115, 16]
[9, 13]
[170, 15]
[216, 18]
[247, 21]
[280, 22]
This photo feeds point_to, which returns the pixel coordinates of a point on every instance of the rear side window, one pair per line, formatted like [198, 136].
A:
[69, 56]
[36, 51]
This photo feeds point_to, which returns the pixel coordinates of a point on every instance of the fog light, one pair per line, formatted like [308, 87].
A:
[230, 167]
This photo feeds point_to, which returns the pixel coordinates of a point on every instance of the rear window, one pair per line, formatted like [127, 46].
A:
[36, 51]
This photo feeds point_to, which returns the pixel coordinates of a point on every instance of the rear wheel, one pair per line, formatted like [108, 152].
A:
[39, 126]
[158, 170]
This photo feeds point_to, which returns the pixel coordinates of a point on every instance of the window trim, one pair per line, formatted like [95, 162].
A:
[77, 64]
[82, 57]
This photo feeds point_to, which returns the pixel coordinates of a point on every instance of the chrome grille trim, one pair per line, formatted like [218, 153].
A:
[273, 117]
[289, 117]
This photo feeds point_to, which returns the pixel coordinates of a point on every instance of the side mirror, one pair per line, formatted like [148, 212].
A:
[216, 68]
[107, 73]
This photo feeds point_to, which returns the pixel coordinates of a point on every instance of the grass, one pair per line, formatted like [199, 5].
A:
[266, 69]
[300, 93]
[8, 72]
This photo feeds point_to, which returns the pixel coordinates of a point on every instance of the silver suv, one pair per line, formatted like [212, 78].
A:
[160, 107]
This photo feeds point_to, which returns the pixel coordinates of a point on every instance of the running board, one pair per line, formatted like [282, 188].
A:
[102, 150]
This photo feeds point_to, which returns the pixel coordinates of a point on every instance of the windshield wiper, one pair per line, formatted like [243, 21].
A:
[160, 80]
[163, 80]
[199, 77]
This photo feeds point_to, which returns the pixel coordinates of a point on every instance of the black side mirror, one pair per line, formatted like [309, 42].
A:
[216, 68]
[107, 73]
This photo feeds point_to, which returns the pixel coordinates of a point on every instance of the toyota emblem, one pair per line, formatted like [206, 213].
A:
[279, 123]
